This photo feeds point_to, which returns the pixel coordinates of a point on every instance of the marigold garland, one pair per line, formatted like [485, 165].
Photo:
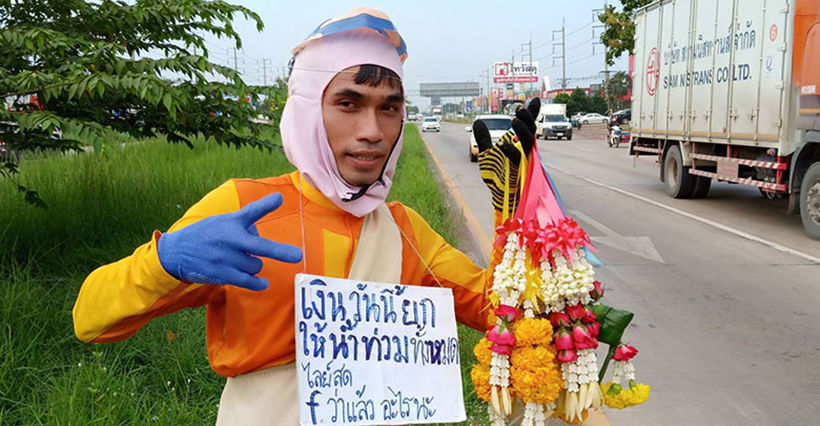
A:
[534, 374]
[482, 351]
[532, 331]
[481, 381]
[627, 397]
[542, 326]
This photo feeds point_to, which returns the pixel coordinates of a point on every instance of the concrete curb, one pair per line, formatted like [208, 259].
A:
[481, 242]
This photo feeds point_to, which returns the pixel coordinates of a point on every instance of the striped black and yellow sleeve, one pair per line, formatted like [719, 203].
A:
[500, 174]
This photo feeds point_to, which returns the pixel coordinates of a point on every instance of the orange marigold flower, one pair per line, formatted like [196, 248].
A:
[482, 351]
[532, 332]
[481, 381]
[534, 374]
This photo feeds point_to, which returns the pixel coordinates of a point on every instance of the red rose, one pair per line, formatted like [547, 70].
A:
[563, 340]
[559, 319]
[501, 349]
[501, 337]
[624, 353]
[576, 312]
[594, 328]
[582, 338]
[589, 316]
[507, 313]
[598, 292]
[567, 356]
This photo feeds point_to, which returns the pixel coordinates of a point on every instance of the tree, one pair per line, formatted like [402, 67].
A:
[619, 29]
[577, 101]
[80, 73]
[597, 103]
[619, 85]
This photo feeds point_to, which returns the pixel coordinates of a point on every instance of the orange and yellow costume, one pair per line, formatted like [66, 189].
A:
[247, 330]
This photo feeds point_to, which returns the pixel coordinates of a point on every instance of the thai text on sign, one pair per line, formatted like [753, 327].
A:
[370, 353]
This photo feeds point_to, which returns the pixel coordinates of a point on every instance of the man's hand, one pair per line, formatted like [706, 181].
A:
[493, 160]
[225, 249]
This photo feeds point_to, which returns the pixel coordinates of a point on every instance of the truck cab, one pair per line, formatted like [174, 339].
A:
[552, 122]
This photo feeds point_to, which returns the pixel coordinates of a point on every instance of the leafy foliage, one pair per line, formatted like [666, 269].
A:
[579, 101]
[78, 73]
[619, 29]
[619, 85]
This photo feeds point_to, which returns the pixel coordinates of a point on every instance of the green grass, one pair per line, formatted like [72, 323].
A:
[100, 208]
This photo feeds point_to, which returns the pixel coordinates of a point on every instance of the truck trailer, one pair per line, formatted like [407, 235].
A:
[728, 90]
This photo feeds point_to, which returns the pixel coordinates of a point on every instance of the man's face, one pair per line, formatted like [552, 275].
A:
[362, 123]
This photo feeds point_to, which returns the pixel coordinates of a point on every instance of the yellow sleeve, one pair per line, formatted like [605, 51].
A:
[453, 269]
[117, 299]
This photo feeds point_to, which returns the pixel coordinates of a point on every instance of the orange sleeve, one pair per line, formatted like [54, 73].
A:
[117, 299]
[454, 270]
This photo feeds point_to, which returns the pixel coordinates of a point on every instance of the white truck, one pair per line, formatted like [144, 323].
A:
[728, 90]
[552, 122]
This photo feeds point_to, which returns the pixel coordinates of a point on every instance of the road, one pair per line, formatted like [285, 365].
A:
[725, 289]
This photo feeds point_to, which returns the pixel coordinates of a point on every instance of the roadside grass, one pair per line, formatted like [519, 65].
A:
[100, 208]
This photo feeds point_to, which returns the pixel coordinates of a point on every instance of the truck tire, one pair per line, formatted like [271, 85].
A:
[679, 183]
[702, 185]
[810, 201]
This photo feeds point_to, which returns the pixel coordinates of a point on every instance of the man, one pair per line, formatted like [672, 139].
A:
[237, 250]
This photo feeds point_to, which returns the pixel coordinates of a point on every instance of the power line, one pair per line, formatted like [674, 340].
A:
[580, 29]
[583, 59]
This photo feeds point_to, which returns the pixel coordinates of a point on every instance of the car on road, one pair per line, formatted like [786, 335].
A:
[497, 124]
[593, 117]
[431, 124]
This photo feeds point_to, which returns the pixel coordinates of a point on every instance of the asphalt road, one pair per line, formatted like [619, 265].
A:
[725, 289]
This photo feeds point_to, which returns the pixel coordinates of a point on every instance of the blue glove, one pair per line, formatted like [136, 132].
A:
[225, 249]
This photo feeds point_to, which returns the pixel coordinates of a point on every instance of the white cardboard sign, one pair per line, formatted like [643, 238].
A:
[376, 354]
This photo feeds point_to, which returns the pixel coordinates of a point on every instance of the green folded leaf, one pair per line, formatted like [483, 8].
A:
[613, 323]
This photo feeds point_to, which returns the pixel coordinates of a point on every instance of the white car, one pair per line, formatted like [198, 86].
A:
[594, 117]
[497, 124]
[431, 124]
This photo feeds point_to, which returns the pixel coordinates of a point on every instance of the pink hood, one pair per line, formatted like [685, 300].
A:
[303, 132]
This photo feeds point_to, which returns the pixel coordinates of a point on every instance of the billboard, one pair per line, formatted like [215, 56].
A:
[467, 88]
[518, 72]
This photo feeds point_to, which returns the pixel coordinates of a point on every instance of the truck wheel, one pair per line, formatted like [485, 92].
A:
[810, 201]
[702, 185]
[679, 183]
[569, 137]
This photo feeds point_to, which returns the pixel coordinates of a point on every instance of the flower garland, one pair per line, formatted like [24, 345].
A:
[615, 396]
[546, 318]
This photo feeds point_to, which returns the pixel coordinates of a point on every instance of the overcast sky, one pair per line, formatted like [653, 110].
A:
[447, 41]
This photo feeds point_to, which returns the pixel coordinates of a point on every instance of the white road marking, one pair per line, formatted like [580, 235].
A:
[714, 224]
[638, 246]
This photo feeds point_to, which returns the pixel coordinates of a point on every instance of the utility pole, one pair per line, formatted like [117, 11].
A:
[264, 71]
[595, 14]
[529, 71]
[563, 56]
[512, 71]
[564, 53]
[487, 98]
[530, 65]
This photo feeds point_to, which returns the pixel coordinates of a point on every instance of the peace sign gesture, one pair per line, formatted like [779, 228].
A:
[226, 248]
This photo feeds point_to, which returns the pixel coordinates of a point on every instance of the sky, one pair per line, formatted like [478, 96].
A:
[447, 41]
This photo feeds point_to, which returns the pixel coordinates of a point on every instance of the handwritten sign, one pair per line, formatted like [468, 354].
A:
[376, 354]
